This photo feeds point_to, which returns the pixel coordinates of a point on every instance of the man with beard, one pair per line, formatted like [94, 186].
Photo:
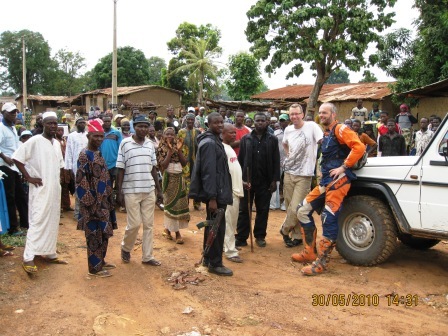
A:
[341, 149]
[42, 156]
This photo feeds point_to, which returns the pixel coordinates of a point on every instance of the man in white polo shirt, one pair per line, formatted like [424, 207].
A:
[136, 180]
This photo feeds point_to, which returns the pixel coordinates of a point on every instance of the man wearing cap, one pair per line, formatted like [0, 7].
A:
[76, 141]
[15, 195]
[300, 142]
[117, 120]
[200, 118]
[136, 180]
[25, 136]
[97, 213]
[43, 159]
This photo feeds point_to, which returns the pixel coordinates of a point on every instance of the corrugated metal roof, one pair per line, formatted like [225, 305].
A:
[329, 92]
[42, 98]
[125, 90]
[437, 89]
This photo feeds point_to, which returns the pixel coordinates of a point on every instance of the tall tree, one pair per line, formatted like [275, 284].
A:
[199, 64]
[368, 77]
[338, 77]
[423, 60]
[245, 77]
[132, 69]
[39, 64]
[327, 34]
[156, 64]
[190, 40]
[66, 79]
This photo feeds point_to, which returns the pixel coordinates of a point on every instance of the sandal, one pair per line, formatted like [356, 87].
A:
[109, 266]
[179, 241]
[7, 247]
[4, 253]
[30, 269]
[167, 234]
[56, 261]
[125, 256]
[100, 274]
[152, 262]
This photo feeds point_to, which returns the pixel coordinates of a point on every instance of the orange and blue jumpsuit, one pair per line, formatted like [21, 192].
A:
[340, 146]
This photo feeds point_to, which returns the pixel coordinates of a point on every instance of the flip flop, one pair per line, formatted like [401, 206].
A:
[4, 253]
[30, 269]
[167, 235]
[7, 248]
[56, 261]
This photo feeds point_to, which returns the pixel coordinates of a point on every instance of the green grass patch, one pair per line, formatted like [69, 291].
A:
[12, 240]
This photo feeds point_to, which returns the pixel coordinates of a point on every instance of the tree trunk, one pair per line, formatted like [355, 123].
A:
[312, 100]
[201, 89]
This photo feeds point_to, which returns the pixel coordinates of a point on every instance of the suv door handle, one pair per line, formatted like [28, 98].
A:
[414, 177]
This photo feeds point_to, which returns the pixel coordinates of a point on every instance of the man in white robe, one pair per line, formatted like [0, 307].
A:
[76, 142]
[40, 160]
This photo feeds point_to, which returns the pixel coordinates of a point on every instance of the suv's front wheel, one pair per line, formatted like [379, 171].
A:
[367, 233]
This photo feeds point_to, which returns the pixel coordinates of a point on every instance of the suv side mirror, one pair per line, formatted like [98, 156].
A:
[445, 151]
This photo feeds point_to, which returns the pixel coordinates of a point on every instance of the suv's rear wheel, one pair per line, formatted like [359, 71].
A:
[367, 233]
[418, 243]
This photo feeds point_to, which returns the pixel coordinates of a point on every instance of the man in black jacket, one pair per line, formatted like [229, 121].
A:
[259, 155]
[211, 183]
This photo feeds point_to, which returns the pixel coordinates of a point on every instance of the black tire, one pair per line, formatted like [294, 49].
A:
[367, 231]
[418, 243]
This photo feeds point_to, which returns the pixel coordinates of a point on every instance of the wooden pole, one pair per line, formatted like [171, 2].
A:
[249, 207]
[114, 64]
[24, 88]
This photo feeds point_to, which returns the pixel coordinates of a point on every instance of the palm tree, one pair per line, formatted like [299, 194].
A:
[199, 63]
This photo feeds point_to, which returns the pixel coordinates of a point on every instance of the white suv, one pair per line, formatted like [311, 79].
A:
[404, 197]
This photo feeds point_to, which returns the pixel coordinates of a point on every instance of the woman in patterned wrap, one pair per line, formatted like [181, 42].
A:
[171, 160]
[96, 212]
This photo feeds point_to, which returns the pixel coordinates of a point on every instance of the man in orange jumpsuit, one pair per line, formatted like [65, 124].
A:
[341, 149]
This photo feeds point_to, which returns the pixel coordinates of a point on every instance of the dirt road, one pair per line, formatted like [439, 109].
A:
[266, 296]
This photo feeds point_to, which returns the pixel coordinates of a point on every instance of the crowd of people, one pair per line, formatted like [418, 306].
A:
[234, 162]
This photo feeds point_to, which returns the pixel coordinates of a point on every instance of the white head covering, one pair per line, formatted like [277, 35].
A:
[49, 114]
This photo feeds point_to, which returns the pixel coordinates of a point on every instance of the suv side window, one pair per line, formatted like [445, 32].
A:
[443, 144]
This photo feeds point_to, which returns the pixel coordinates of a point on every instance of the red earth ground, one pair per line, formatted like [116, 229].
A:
[266, 296]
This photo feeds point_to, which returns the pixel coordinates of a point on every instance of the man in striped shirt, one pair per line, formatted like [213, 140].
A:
[136, 181]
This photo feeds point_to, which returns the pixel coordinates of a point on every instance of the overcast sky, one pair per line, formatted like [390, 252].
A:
[87, 26]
